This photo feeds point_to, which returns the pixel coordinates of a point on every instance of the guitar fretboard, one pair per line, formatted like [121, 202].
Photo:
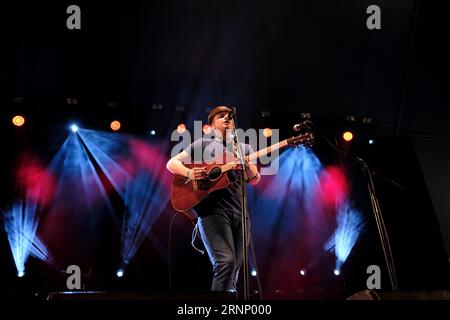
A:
[265, 151]
[255, 155]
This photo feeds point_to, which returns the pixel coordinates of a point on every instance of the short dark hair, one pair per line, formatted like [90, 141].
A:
[216, 111]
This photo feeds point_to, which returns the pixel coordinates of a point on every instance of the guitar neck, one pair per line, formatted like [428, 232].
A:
[265, 151]
[255, 155]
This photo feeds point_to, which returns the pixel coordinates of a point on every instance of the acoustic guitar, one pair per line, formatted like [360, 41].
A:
[186, 194]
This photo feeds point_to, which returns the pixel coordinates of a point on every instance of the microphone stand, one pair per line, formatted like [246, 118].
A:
[385, 243]
[244, 213]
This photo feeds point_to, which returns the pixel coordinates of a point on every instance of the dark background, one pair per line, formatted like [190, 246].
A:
[285, 57]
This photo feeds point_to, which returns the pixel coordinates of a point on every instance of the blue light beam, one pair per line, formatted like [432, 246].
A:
[20, 225]
[286, 204]
[137, 172]
[349, 226]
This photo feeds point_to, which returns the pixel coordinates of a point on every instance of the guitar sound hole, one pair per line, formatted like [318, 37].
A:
[215, 173]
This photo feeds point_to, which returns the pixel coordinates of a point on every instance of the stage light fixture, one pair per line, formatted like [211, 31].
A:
[302, 272]
[74, 127]
[120, 273]
[267, 132]
[71, 101]
[152, 132]
[337, 272]
[115, 125]
[18, 120]
[265, 113]
[21, 274]
[305, 115]
[371, 141]
[181, 128]
[367, 120]
[347, 136]
[254, 273]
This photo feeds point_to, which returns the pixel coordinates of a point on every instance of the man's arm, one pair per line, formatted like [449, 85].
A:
[176, 166]
[253, 174]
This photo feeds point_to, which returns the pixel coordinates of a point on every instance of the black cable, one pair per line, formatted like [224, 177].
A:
[170, 251]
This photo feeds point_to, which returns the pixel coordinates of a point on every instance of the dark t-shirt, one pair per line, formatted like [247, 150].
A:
[224, 200]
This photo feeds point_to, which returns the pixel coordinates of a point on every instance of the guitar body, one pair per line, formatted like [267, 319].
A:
[185, 196]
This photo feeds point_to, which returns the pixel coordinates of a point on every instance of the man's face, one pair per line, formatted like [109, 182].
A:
[222, 122]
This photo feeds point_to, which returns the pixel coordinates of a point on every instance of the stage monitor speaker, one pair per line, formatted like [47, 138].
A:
[400, 295]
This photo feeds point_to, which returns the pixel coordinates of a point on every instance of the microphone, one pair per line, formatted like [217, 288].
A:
[230, 115]
[299, 126]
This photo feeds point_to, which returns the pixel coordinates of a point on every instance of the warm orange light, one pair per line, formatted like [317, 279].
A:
[115, 125]
[348, 136]
[18, 121]
[206, 129]
[181, 128]
[267, 132]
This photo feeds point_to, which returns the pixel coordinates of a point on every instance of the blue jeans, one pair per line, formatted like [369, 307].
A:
[222, 236]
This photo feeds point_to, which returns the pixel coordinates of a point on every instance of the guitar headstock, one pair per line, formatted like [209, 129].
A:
[304, 139]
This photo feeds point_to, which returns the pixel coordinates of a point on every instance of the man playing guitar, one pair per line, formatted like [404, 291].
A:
[219, 213]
